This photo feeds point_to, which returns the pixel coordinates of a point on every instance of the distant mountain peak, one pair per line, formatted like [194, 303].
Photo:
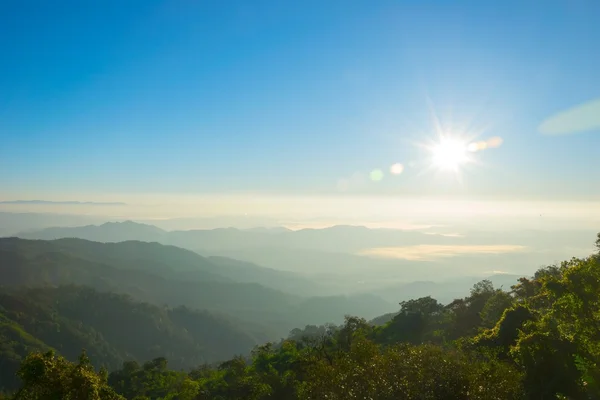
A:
[115, 231]
[129, 223]
[272, 229]
[359, 227]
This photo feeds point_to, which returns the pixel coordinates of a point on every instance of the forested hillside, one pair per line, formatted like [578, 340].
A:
[164, 260]
[112, 328]
[537, 341]
[160, 274]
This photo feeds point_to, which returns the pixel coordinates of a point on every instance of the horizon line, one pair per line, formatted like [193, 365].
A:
[66, 202]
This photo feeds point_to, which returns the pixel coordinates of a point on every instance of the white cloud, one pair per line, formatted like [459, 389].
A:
[426, 252]
[582, 118]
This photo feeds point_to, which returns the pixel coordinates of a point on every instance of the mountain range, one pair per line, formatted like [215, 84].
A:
[323, 261]
[169, 275]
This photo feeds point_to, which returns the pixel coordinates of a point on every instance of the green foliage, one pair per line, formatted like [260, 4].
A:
[417, 322]
[408, 372]
[566, 336]
[494, 308]
[152, 380]
[466, 316]
[506, 332]
[553, 334]
[46, 376]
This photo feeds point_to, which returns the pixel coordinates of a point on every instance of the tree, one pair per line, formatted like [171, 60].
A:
[153, 380]
[494, 308]
[550, 366]
[506, 332]
[467, 315]
[416, 323]
[47, 376]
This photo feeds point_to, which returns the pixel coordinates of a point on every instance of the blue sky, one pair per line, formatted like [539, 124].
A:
[290, 97]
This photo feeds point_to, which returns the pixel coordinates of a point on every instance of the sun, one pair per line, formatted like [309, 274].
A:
[449, 154]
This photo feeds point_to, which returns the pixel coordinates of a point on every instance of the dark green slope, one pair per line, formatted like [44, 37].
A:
[122, 268]
[169, 261]
[112, 328]
[133, 255]
[39, 263]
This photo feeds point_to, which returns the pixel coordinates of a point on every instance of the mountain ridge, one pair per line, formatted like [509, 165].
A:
[123, 268]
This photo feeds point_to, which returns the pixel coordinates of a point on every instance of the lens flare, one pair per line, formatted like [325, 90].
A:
[495, 142]
[491, 143]
[397, 169]
[376, 175]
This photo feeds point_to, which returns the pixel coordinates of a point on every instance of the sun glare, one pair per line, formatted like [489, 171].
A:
[449, 154]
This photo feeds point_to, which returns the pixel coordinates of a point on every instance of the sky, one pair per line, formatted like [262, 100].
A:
[139, 101]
